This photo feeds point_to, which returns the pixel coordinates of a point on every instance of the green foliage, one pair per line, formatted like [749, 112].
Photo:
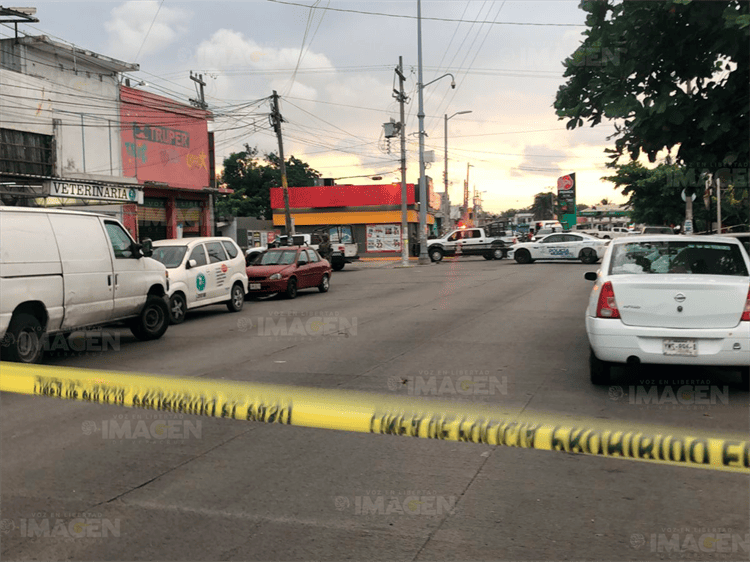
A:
[655, 196]
[252, 182]
[543, 206]
[672, 73]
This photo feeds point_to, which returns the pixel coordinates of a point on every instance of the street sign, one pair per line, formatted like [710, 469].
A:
[688, 226]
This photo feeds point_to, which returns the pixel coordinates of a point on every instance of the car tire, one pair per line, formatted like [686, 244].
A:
[237, 301]
[153, 320]
[488, 256]
[325, 283]
[23, 340]
[436, 255]
[291, 288]
[745, 378]
[588, 256]
[600, 371]
[498, 254]
[338, 265]
[522, 256]
[177, 308]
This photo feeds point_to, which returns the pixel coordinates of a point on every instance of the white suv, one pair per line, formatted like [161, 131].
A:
[202, 271]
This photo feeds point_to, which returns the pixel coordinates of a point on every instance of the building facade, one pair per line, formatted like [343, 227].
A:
[373, 211]
[166, 146]
[59, 129]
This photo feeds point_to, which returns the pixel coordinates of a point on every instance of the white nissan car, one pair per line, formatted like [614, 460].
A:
[560, 246]
[665, 299]
[202, 271]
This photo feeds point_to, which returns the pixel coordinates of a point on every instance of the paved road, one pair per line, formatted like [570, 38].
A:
[468, 329]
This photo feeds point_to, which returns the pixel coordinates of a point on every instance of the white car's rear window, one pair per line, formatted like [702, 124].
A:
[699, 258]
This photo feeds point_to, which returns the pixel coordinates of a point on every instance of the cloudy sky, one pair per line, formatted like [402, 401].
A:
[333, 63]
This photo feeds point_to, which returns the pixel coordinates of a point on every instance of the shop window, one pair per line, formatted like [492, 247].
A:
[26, 153]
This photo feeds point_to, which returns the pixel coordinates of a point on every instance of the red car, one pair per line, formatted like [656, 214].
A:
[286, 270]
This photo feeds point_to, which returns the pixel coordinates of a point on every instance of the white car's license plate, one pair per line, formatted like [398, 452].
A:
[680, 347]
[254, 286]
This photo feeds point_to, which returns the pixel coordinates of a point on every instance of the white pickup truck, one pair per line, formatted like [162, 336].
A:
[470, 242]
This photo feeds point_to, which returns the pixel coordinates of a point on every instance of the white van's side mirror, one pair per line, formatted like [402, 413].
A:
[191, 264]
[146, 248]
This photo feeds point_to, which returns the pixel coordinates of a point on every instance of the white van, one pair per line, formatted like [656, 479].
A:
[63, 271]
[203, 271]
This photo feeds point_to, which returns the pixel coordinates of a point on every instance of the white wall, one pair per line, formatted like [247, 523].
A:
[86, 103]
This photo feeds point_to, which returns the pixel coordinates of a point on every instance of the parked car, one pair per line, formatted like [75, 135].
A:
[63, 271]
[344, 246]
[586, 229]
[653, 230]
[560, 246]
[287, 270]
[253, 254]
[542, 232]
[743, 237]
[614, 232]
[202, 271]
[670, 300]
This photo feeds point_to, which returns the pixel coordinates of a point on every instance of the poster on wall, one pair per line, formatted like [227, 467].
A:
[383, 237]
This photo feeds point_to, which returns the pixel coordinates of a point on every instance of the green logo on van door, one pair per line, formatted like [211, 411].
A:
[200, 282]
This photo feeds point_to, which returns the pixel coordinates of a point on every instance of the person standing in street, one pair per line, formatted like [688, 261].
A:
[325, 249]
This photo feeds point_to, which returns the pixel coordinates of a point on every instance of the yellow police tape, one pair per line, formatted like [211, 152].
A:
[376, 413]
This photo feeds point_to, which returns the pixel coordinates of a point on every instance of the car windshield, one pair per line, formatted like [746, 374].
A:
[701, 258]
[279, 257]
[658, 230]
[170, 256]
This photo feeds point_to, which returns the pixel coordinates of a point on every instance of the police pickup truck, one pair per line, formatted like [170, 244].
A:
[471, 242]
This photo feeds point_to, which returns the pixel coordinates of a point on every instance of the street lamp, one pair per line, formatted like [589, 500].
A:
[446, 145]
[423, 259]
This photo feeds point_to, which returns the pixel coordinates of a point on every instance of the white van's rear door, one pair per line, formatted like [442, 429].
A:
[88, 279]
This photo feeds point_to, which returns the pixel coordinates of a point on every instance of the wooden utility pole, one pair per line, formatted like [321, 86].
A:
[201, 101]
[277, 121]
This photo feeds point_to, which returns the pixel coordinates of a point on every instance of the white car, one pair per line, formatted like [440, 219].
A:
[560, 246]
[202, 271]
[665, 299]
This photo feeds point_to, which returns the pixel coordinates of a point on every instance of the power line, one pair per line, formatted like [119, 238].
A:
[149, 30]
[403, 16]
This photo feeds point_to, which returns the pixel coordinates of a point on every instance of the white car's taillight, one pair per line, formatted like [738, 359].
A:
[606, 307]
[746, 312]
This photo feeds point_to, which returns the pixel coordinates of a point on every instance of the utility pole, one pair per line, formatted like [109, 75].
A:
[718, 205]
[201, 101]
[423, 258]
[466, 194]
[277, 121]
[400, 95]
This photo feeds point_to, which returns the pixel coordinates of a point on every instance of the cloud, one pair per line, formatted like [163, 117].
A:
[130, 23]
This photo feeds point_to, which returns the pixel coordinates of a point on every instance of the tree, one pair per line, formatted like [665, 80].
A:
[543, 206]
[669, 73]
[252, 182]
[653, 198]
[298, 173]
